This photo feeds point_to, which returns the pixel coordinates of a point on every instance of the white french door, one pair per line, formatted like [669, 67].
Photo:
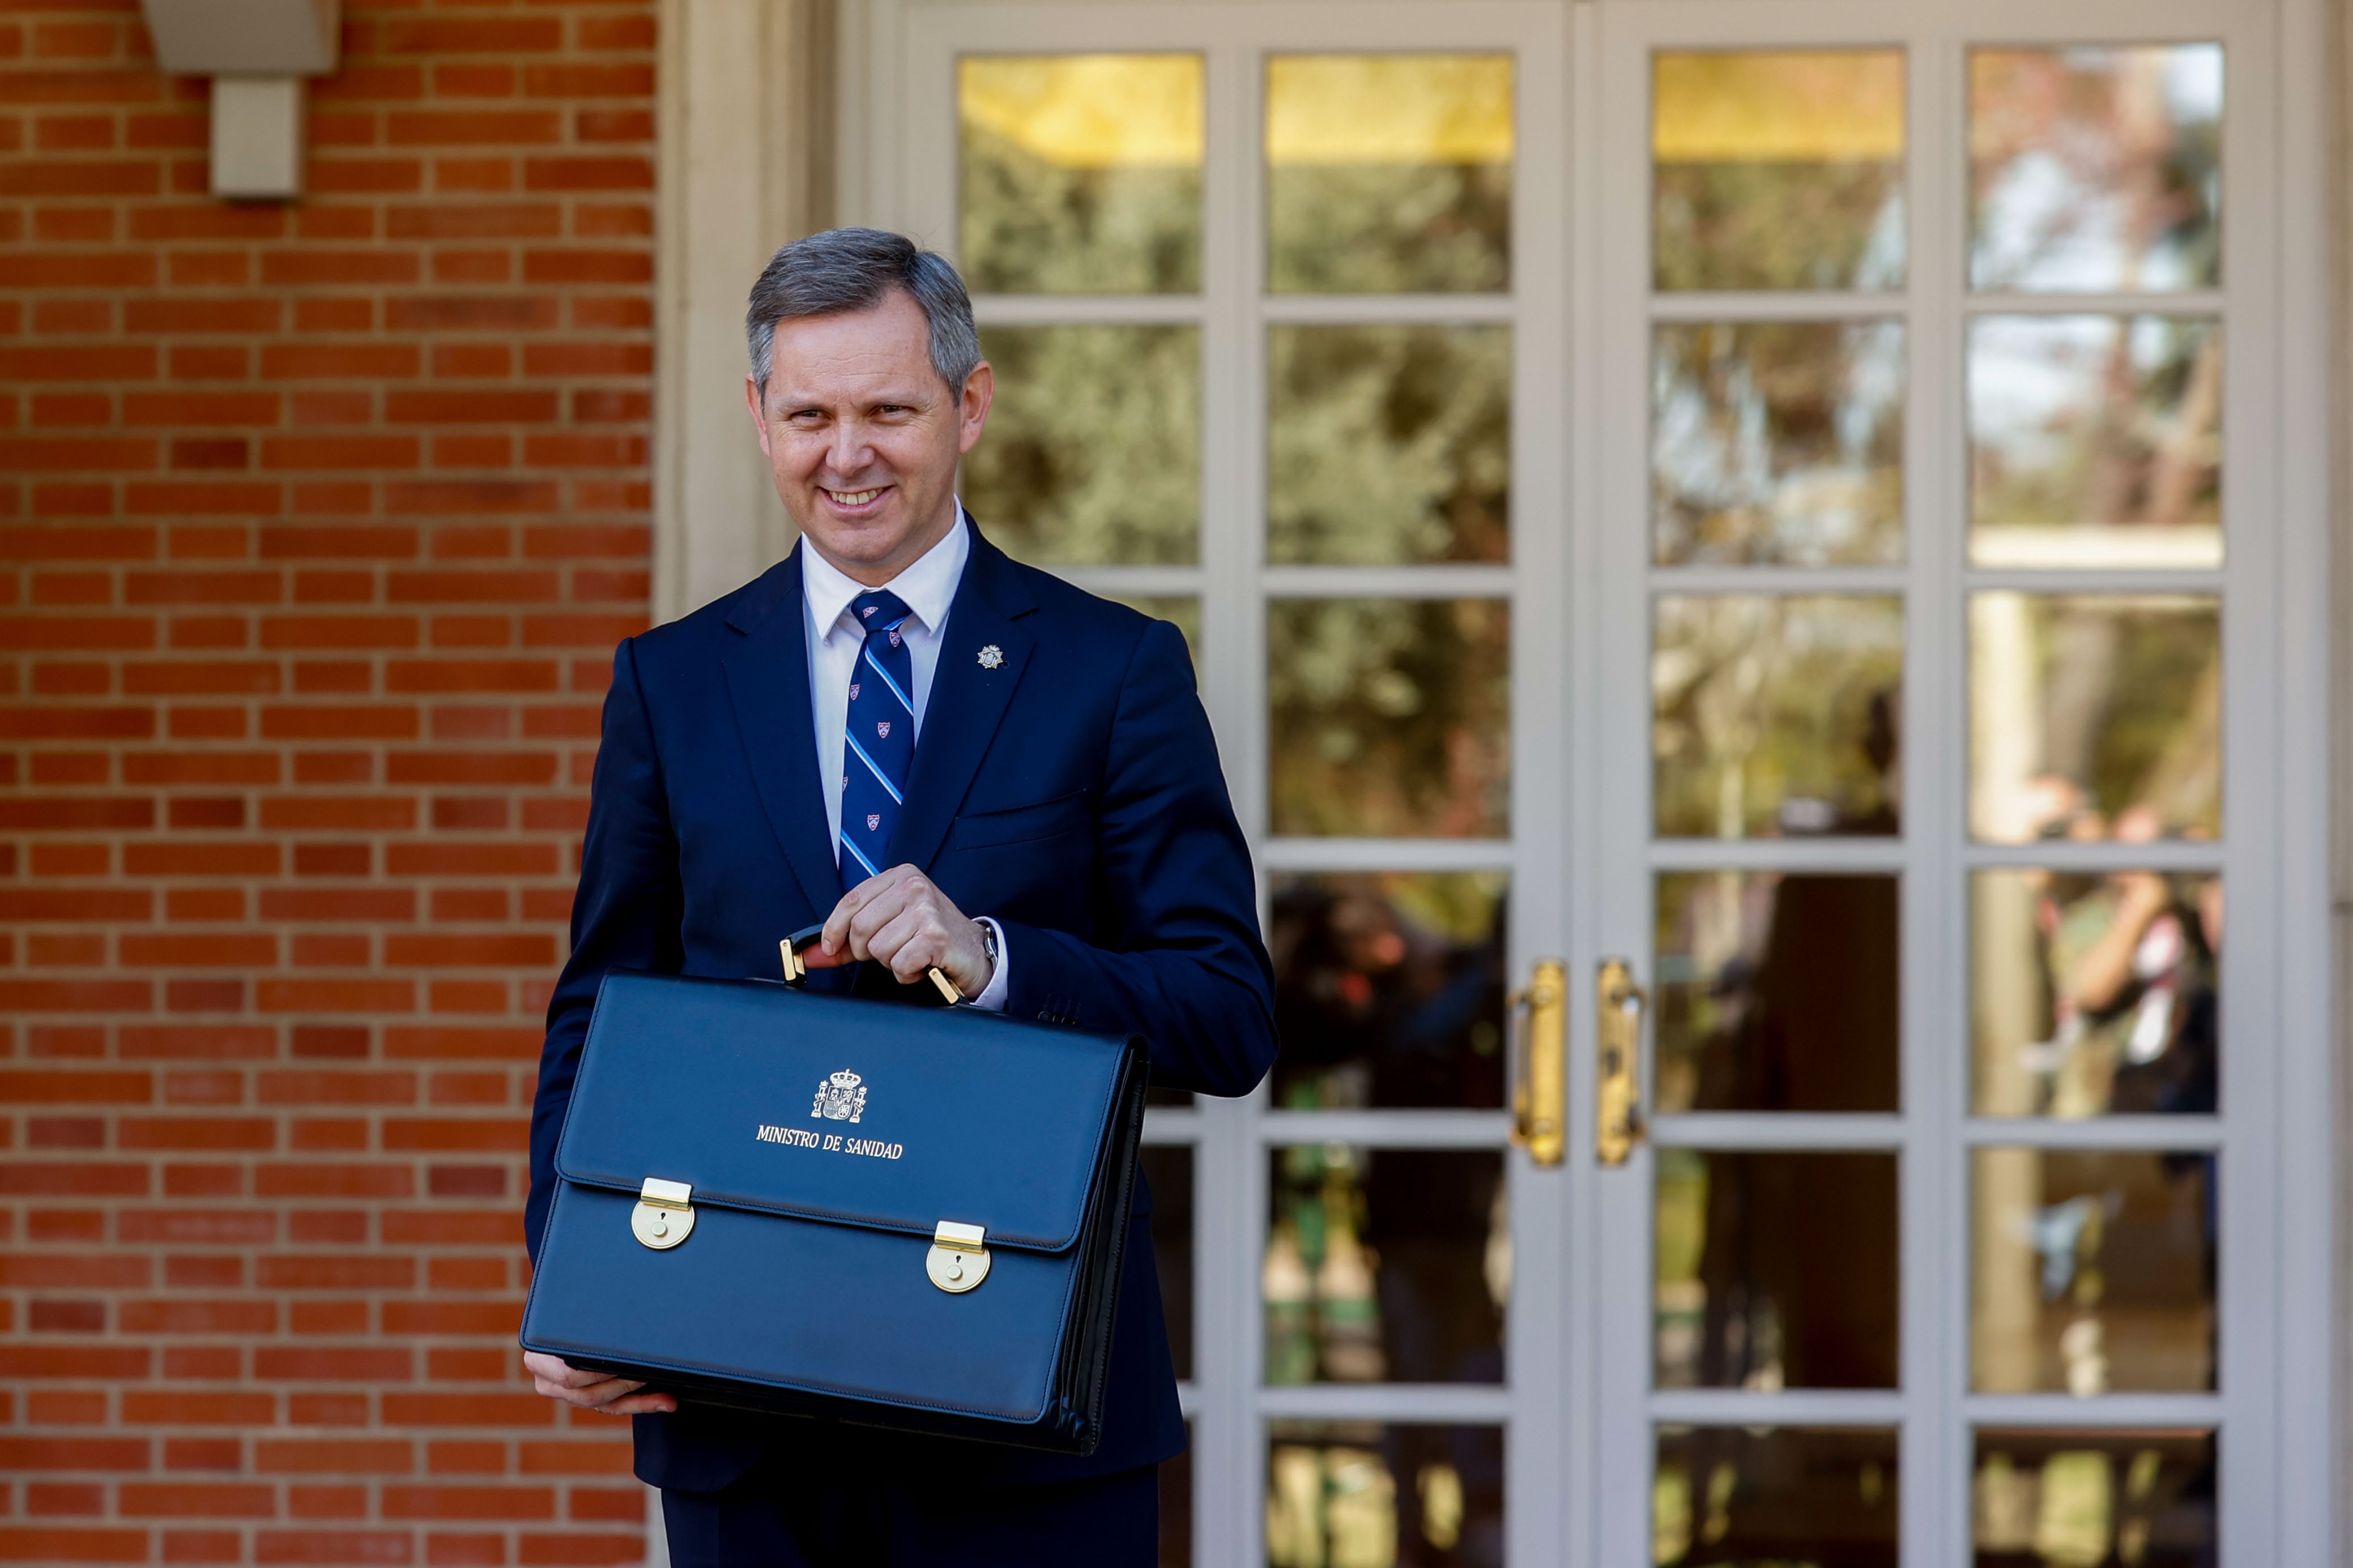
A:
[1941, 560]
[1754, 490]
[1277, 297]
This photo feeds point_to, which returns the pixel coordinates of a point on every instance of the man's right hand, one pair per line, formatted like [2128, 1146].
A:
[583, 1390]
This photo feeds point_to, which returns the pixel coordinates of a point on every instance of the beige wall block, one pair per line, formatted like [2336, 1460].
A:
[244, 37]
[257, 151]
[747, 147]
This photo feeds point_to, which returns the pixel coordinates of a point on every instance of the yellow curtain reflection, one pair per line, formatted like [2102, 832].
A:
[1777, 106]
[1080, 174]
[1388, 109]
[1088, 111]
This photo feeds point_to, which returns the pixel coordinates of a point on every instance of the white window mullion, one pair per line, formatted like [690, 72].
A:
[2310, 1284]
[2256, 1378]
[1935, 1451]
[1228, 1466]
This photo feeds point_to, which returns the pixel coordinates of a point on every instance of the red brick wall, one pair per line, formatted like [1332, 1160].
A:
[318, 523]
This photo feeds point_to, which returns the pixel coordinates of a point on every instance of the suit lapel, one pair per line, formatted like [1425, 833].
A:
[968, 699]
[769, 681]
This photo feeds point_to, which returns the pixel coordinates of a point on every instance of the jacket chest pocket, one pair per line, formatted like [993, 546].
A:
[1023, 823]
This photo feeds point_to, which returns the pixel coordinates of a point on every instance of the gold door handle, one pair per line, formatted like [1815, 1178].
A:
[1618, 1004]
[1540, 1064]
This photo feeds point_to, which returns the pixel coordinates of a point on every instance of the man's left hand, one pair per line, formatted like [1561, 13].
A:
[901, 919]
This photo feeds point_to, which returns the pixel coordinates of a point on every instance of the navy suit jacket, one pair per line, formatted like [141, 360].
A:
[1073, 794]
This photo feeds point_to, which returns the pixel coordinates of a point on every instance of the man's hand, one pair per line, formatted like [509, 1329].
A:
[590, 1390]
[901, 919]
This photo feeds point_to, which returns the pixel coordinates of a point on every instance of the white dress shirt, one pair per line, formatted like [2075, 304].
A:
[927, 587]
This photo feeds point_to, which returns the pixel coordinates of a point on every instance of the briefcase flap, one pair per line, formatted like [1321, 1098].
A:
[855, 1111]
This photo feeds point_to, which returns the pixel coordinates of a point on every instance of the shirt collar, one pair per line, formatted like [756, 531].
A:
[928, 585]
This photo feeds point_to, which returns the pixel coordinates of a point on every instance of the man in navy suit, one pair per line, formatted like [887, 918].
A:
[952, 760]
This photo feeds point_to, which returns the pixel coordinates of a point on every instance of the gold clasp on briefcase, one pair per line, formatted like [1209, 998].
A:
[959, 1256]
[665, 1214]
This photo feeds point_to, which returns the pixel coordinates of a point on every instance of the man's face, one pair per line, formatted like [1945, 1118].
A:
[863, 437]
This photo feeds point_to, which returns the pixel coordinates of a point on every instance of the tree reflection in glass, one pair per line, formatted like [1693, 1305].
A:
[1777, 443]
[1092, 453]
[1388, 173]
[1777, 992]
[1774, 1270]
[1759, 1495]
[2095, 441]
[2048, 1496]
[2097, 168]
[1372, 1494]
[1080, 174]
[1389, 717]
[2094, 717]
[1389, 444]
[1389, 989]
[2092, 1272]
[1778, 169]
[1386, 1265]
[1180, 610]
[1776, 715]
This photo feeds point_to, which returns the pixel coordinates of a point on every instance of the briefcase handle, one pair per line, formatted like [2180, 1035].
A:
[799, 960]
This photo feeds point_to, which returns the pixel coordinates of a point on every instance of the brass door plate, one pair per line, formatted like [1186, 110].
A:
[1540, 1070]
[1618, 1064]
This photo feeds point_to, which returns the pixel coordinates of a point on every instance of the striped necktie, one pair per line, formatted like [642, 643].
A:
[881, 736]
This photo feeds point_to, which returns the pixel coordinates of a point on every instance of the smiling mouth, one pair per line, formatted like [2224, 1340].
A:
[854, 498]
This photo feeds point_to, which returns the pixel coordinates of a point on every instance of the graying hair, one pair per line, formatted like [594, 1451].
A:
[847, 269]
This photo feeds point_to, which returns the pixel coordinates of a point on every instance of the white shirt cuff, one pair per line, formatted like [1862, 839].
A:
[992, 995]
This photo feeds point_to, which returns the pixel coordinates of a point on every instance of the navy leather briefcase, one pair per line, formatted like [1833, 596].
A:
[905, 1216]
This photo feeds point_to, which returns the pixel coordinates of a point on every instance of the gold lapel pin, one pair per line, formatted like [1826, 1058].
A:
[991, 657]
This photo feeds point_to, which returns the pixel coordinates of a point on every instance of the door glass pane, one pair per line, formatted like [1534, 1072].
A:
[1362, 1494]
[1388, 990]
[1775, 992]
[1777, 443]
[1778, 169]
[1080, 174]
[1763, 1495]
[2044, 1496]
[1388, 173]
[1386, 1266]
[2097, 168]
[1388, 445]
[2095, 441]
[1775, 1270]
[2096, 995]
[1092, 451]
[1168, 1167]
[2093, 1271]
[1776, 715]
[1181, 610]
[1177, 1506]
[1389, 717]
[2094, 717]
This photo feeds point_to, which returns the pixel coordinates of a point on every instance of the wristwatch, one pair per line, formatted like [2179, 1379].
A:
[988, 942]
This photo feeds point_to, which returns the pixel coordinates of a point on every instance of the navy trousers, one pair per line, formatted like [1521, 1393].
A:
[824, 1507]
